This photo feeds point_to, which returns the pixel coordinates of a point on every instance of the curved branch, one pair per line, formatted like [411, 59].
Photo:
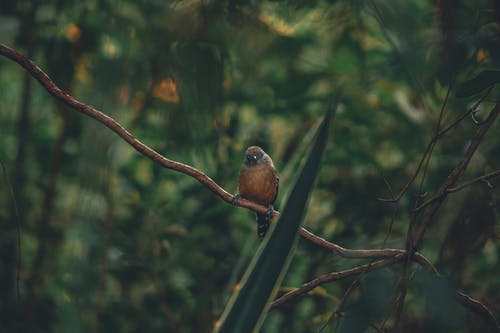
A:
[334, 276]
[366, 254]
[457, 188]
[479, 308]
[439, 134]
[113, 125]
[392, 256]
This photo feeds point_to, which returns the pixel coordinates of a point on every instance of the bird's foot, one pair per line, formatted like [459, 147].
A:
[270, 211]
[235, 198]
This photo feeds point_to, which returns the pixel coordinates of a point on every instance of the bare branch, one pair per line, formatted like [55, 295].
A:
[480, 309]
[113, 125]
[455, 174]
[343, 300]
[411, 180]
[18, 228]
[391, 256]
[490, 175]
[471, 111]
[330, 277]
[365, 254]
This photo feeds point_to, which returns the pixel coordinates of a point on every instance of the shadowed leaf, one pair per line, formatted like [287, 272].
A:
[246, 309]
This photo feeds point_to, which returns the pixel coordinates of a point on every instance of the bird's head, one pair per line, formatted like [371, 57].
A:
[254, 155]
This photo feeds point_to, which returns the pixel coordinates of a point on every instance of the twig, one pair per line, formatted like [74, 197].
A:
[18, 229]
[473, 181]
[334, 276]
[479, 308]
[365, 254]
[490, 175]
[411, 180]
[396, 208]
[471, 110]
[393, 256]
[343, 300]
[455, 174]
[400, 299]
[432, 208]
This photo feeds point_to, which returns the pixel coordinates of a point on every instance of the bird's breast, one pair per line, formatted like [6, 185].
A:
[259, 184]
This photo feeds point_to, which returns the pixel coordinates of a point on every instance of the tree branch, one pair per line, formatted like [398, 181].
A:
[439, 133]
[113, 125]
[392, 256]
[365, 254]
[490, 175]
[334, 276]
[455, 174]
[480, 309]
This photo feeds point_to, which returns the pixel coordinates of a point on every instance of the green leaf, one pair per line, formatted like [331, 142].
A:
[482, 81]
[245, 311]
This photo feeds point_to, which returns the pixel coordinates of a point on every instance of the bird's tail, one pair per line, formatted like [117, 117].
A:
[262, 224]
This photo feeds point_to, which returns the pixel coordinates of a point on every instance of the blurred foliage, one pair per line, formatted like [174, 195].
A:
[112, 242]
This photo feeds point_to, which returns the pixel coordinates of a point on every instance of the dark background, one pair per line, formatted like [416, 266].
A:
[111, 242]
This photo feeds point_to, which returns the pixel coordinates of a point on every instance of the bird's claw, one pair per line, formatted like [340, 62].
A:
[235, 198]
[270, 211]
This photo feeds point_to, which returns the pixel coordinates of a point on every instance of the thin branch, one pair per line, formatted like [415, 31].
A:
[365, 254]
[480, 309]
[455, 174]
[113, 125]
[473, 181]
[334, 276]
[472, 110]
[452, 178]
[400, 299]
[392, 256]
[411, 180]
[457, 188]
[396, 208]
[18, 229]
[340, 305]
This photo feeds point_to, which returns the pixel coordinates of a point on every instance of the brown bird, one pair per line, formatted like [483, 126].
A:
[259, 183]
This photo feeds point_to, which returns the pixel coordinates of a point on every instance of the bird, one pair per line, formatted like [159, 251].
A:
[258, 182]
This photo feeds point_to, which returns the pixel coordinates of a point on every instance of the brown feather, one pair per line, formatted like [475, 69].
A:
[259, 182]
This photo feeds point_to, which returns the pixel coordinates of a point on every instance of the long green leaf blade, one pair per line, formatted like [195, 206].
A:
[246, 309]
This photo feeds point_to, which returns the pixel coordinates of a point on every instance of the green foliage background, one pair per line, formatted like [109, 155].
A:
[112, 242]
